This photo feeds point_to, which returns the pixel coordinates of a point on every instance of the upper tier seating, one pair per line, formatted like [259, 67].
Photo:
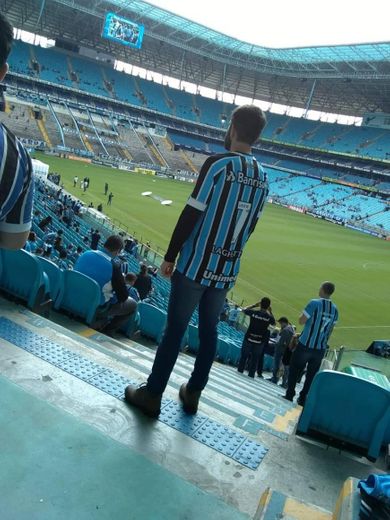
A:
[55, 66]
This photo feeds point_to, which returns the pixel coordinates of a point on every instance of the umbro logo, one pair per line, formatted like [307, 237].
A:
[231, 177]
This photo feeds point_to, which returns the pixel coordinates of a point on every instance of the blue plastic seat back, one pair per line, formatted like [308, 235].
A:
[22, 275]
[153, 321]
[54, 274]
[79, 295]
[193, 338]
[234, 354]
[223, 349]
[347, 408]
[132, 325]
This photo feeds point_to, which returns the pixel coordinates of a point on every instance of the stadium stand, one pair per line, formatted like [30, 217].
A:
[55, 66]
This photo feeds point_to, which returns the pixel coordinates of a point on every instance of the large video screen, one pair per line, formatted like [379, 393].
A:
[123, 31]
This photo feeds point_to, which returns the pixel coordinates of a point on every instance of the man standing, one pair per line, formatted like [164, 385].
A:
[110, 198]
[75, 181]
[105, 188]
[16, 178]
[319, 318]
[95, 239]
[256, 336]
[233, 316]
[210, 236]
[285, 336]
[116, 306]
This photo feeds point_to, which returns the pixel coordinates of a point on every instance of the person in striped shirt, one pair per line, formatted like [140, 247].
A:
[208, 240]
[16, 181]
[319, 318]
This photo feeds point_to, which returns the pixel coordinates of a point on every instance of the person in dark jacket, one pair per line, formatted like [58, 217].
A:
[144, 284]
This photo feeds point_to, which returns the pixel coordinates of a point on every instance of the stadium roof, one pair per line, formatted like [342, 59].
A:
[348, 79]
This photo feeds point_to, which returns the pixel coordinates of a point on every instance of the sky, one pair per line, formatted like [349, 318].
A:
[290, 23]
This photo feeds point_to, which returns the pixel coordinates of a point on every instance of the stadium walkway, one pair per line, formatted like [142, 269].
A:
[75, 450]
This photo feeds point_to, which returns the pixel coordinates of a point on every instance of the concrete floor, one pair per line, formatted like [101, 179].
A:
[292, 466]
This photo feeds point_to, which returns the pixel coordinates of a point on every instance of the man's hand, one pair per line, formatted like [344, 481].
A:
[167, 269]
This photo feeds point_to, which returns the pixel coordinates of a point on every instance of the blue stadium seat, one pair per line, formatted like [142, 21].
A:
[223, 350]
[22, 276]
[132, 325]
[193, 339]
[234, 354]
[153, 320]
[347, 409]
[54, 275]
[79, 295]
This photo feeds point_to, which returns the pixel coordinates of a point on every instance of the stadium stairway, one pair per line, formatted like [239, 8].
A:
[43, 130]
[86, 450]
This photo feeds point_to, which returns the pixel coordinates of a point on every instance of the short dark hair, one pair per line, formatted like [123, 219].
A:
[63, 254]
[6, 39]
[248, 122]
[328, 288]
[130, 277]
[283, 319]
[113, 243]
[265, 302]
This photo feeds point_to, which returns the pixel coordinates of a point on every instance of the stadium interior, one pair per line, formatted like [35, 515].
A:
[73, 449]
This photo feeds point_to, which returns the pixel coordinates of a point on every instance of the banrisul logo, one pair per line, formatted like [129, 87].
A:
[230, 176]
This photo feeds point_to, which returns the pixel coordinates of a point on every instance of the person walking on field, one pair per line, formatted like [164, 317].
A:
[209, 238]
[110, 196]
[105, 188]
[319, 318]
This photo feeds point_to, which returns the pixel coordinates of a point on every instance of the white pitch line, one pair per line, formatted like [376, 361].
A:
[365, 327]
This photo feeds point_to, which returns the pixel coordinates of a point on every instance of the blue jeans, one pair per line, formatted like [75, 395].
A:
[185, 296]
[301, 357]
[278, 354]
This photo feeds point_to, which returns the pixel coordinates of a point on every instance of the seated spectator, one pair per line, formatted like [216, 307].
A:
[76, 255]
[39, 251]
[31, 244]
[143, 284]
[62, 261]
[45, 223]
[102, 267]
[130, 280]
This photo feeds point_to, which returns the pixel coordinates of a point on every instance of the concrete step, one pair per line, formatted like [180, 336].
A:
[277, 506]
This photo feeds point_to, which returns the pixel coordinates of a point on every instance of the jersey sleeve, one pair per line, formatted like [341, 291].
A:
[204, 185]
[309, 309]
[248, 312]
[17, 197]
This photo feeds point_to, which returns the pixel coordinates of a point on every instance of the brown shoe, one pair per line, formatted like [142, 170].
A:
[144, 400]
[189, 399]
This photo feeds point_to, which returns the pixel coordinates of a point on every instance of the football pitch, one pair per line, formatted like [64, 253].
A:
[287, 257]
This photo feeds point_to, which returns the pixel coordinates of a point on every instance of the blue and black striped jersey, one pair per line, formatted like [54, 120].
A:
[16, 184]
[230, 192]
[322, 315]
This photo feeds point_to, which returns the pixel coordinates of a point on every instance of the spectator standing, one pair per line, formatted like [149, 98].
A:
[256, 336]
[284, 339]
[102, 267]
[233, 316]
[319, 318]
[95, 239]
[62, 261]
[144, 284]
[210, 235]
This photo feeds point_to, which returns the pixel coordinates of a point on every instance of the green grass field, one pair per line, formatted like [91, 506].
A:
[287, 257]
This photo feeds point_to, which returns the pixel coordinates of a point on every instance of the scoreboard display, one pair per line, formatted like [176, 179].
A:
[122, 30]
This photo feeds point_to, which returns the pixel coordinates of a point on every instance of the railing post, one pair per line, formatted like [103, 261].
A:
[338, 358]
